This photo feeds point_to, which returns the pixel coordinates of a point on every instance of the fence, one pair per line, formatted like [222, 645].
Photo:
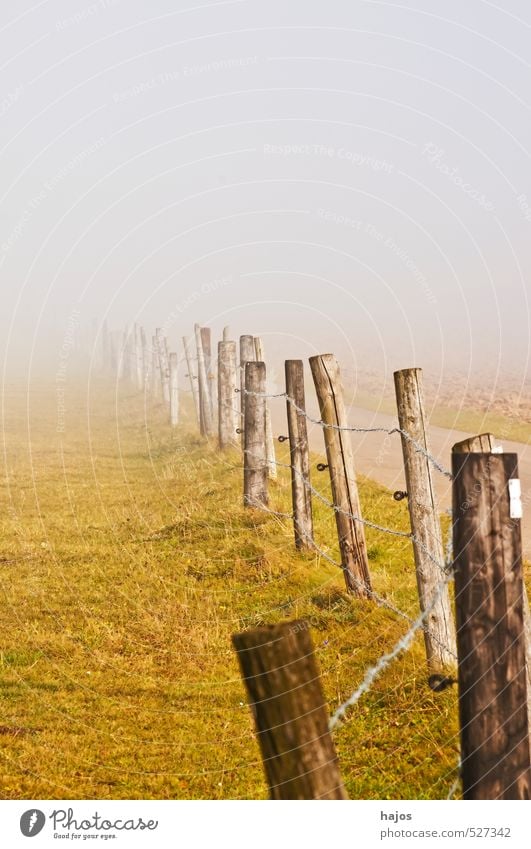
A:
[488, 657]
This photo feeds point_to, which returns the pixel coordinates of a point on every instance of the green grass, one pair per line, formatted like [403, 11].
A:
[127, 561]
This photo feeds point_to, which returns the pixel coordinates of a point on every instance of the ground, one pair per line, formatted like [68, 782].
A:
[127, 561]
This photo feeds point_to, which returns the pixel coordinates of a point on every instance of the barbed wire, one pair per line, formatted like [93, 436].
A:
[382, 602]
[386, 659]
[373, 525]
[348, 429]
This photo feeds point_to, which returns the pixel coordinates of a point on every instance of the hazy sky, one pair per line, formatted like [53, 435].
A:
[342, 176]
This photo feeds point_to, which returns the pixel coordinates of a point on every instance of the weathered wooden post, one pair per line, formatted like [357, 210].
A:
[270, 443]
[146, 376]
[204, 395]
[164, 365]
[299, 455]
[485, 443]
[122, 358]
[174, 390]
[139, 360]
[105, 347]
[350, 531]
[193, 379]
[439, 633]
[156, 386]
[228, 418]
[490, 637]
[132, 356]
[206, 341]
[286, 699]
[247, 355]
[254, 456]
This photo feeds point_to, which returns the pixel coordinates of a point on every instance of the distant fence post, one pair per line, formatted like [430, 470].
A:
[164, 365]
[280, 673]
[270, 444]
[485, 443]
[299, 455]
[254, 457]
[122, 358]
[145, 360]
[206, 341]
[439, 633]
[490, 638]
[227, 399]
[204, 395]
[139, 358]
[193, 379]
[174, 390]
[247, 355]
[351, 534]
[155, 368]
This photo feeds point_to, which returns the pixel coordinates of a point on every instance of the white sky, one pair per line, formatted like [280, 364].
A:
[340, 176]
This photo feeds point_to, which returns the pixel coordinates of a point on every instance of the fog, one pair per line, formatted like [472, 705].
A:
[344, 176]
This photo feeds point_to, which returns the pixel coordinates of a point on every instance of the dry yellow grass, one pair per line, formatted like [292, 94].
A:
[126, 562]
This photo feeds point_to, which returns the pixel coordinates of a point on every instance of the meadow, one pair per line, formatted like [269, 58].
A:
[127, 560]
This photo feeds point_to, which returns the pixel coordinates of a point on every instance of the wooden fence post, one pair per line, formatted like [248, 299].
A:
[227, 398]
[204, 395]
[439, 633]
[351, 534]
[145, 360]
[280, 673]
[174, 390]
[270, 443]
[139, 359]
[490, 638]
[164, 365]
[122, 358]
[132, 355]
[206, 341]
[485, 443]
[254, 455]
[156, 385]
[193, 379]
[299, 455]
[247, 355]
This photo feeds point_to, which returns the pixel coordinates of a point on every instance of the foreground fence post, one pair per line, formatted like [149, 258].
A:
[299, 455]
[439, 632]
[254, 456]
[174, 390]
[281, 677]
[247, 355]
[204, 395]
[490, 638]
[270, 443]
[193, 384]
[227, 398]
[354, 560]
[486, 443]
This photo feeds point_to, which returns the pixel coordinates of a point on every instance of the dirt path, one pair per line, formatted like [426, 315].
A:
[380, 457]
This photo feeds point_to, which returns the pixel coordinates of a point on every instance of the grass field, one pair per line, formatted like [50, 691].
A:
[463, 418]
[126, 563]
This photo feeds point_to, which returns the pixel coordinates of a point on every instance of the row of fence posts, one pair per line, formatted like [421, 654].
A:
[490, 645]
[492, 642]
